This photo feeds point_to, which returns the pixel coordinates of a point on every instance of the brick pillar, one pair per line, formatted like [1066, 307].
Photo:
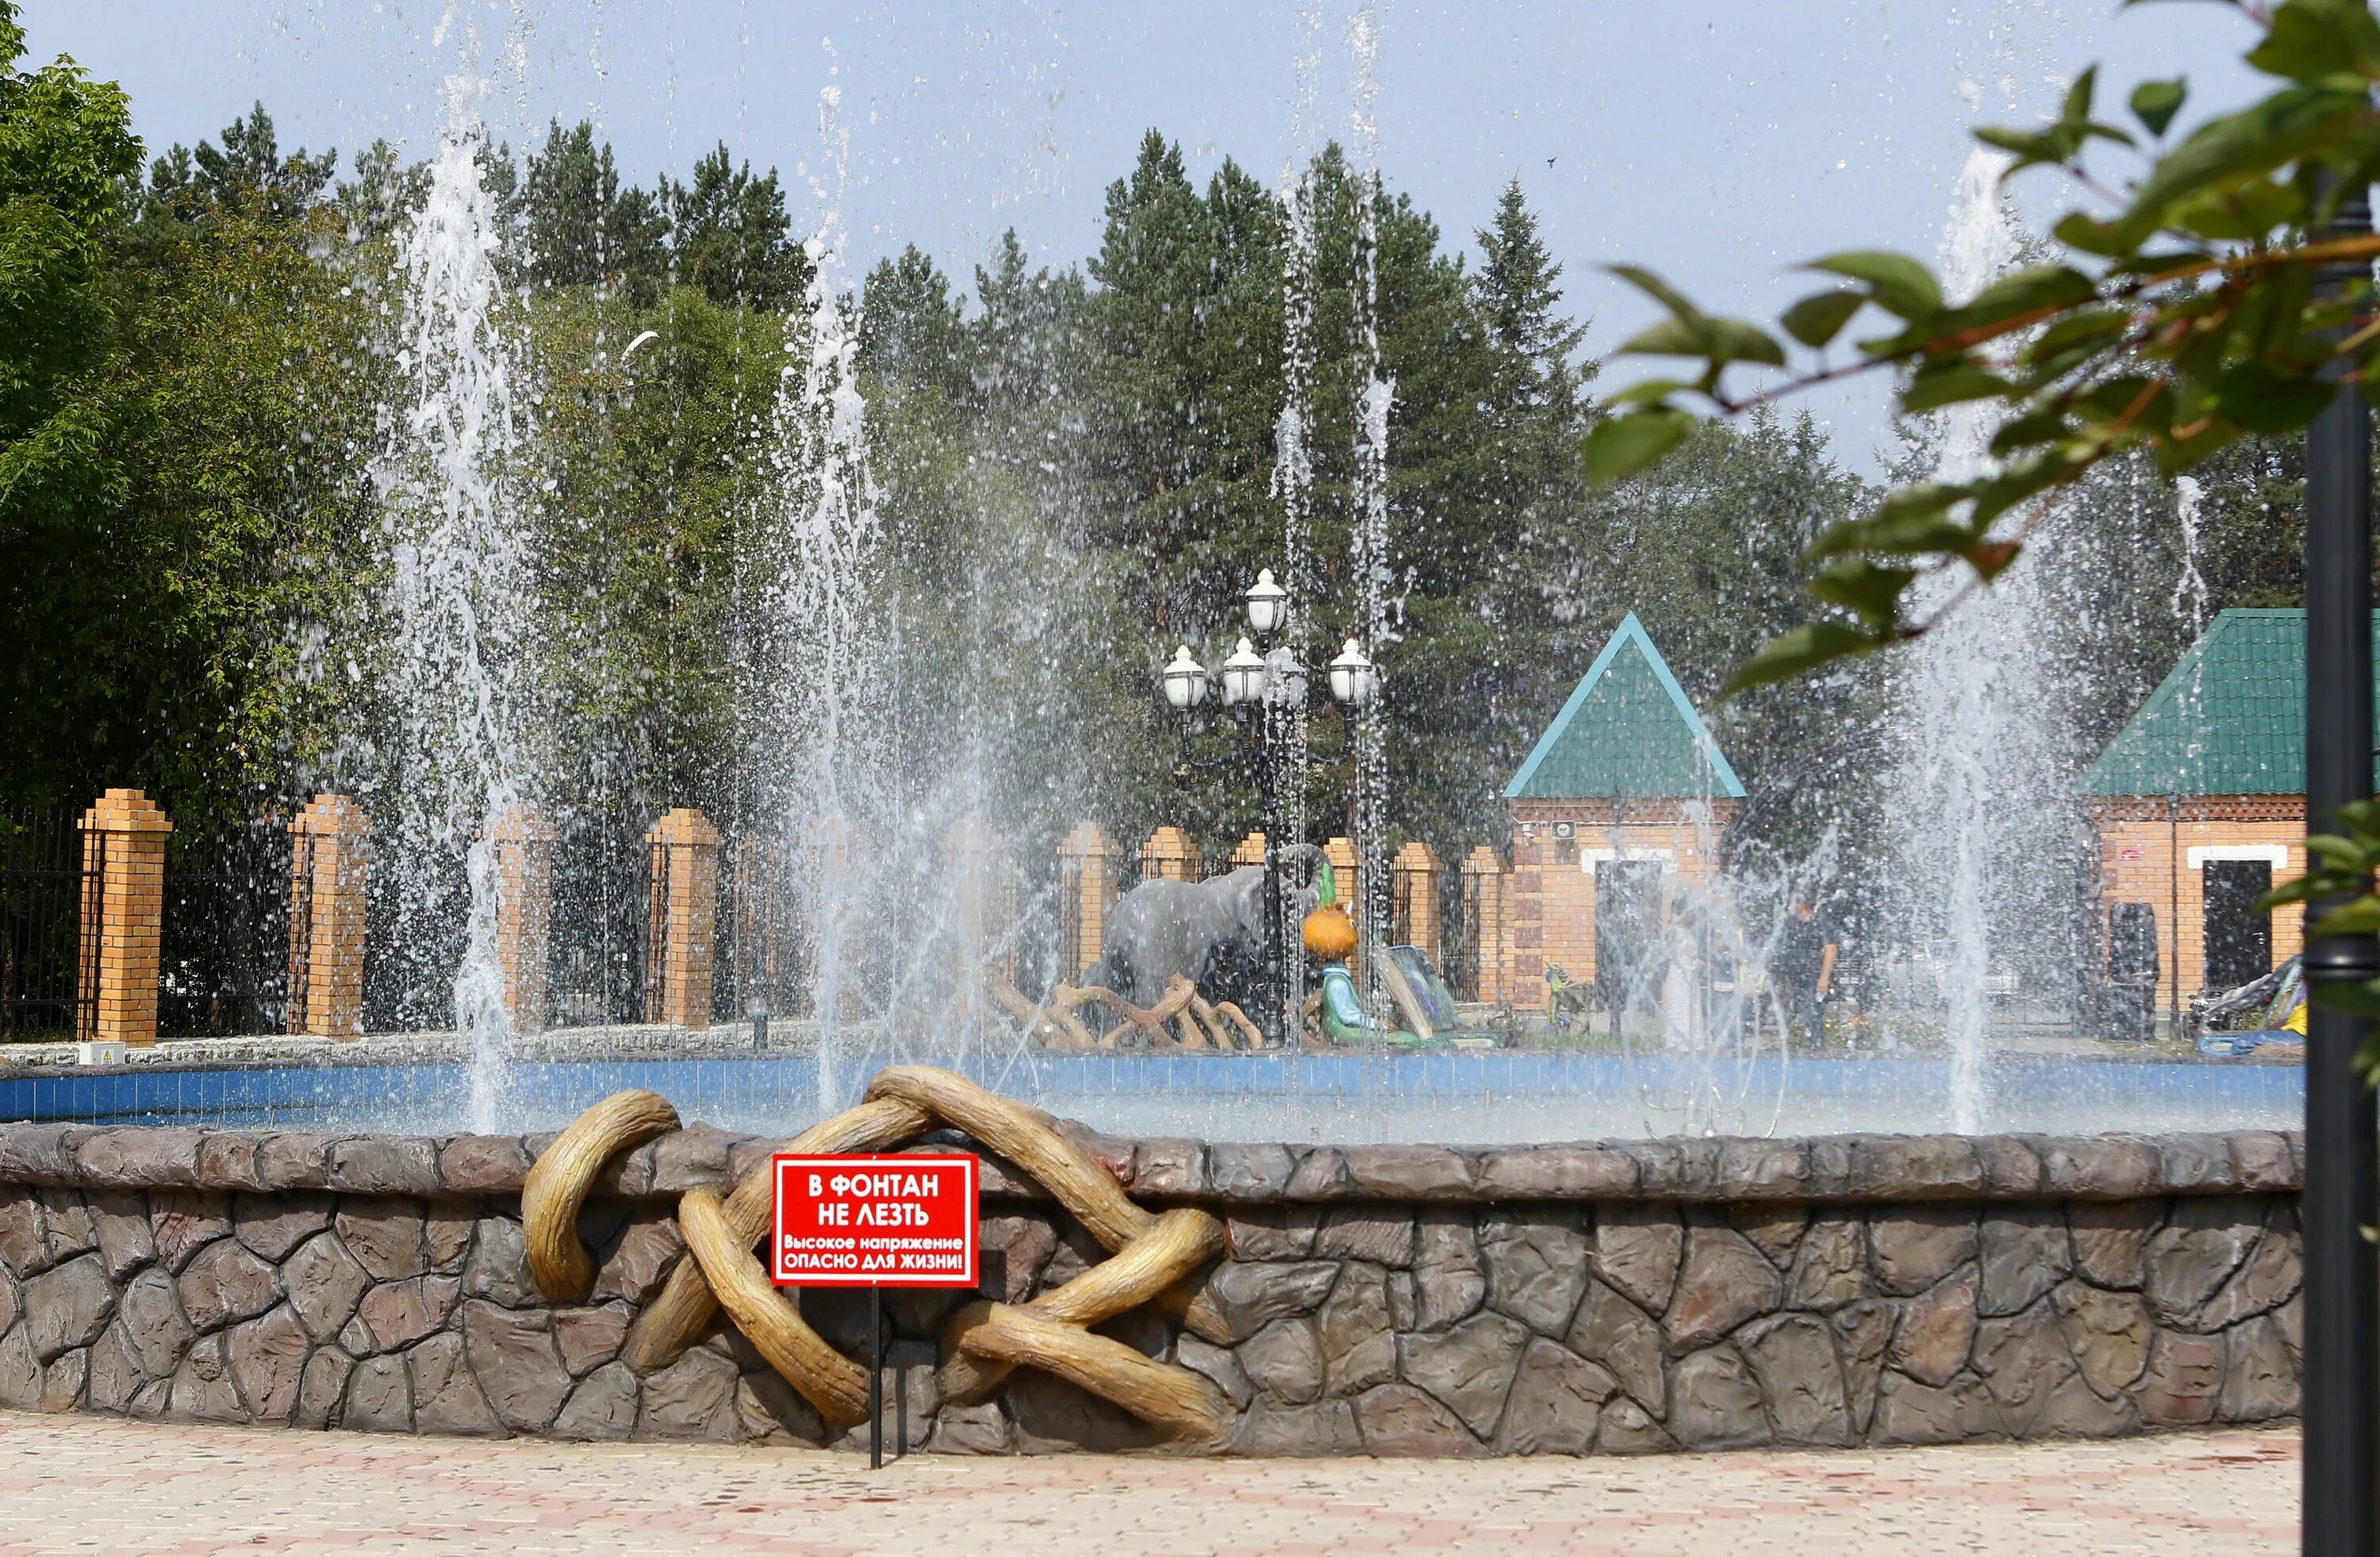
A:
[330, 855]
[123, 913]
[524, 841]
[1086, 862]
[1168, 854]
[1486, 926]
[682, 921]
[1340, 852]
[1250, 852]
[1414, 877]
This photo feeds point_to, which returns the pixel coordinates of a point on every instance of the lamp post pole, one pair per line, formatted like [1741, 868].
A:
[2341, 1372]
[1261, 689]
[1276, 957]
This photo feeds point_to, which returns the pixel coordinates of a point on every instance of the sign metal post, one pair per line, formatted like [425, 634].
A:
[872, 1221]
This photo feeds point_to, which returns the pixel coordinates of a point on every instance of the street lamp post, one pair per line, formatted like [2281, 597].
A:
[2341, 1376]
[1260, 688]
[1245, 684]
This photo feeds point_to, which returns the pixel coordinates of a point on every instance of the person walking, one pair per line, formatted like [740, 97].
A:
[1803, 969]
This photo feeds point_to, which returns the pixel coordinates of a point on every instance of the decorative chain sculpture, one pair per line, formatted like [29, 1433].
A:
[1198, 1023]
[1154, 1257]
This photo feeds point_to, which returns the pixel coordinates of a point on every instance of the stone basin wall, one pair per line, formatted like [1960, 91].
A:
[1608, 1298]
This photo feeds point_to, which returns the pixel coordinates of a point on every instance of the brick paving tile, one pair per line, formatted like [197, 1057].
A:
[96, 1485]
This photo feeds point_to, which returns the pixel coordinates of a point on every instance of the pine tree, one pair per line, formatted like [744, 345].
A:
[581, 227]
[249, 167]
[730, 235]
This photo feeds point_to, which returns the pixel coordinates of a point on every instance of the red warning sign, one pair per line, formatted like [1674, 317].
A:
[872, 1221]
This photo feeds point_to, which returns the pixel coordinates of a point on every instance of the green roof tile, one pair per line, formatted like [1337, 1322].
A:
[2228, 720]
[1626, 730]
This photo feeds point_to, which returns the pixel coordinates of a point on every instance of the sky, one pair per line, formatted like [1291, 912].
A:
[1721, 142]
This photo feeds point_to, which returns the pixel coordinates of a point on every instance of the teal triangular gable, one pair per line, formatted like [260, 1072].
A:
[2228, 720]
[1627, 730]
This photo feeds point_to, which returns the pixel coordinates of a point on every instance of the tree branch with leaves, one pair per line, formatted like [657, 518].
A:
[2181, 315]
[2213, 296]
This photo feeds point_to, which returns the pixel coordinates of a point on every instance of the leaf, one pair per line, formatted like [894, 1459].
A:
[2088, 234]
[2025, 148]
[1622, 446]
[2264, 137]
[1805, 647]
[2156, 103]
[1650, 392]
[1910, 535]
[1670, 337]
[1951, 382]
[1721, 340]
[2076, 109]
[2319, 40]
[2359, 917]
[2251, 211]
[1658, 290]
[2090, 330]
[1870, 591]
[2028, 291]
[2025, 431]
[2263, 398]
[1819, 318]
[2018, 480]
[1898, 283]
[2363, 999]
[2362, 819]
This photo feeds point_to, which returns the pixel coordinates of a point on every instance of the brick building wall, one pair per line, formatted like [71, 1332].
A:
[1550, 892]
[2153, 850]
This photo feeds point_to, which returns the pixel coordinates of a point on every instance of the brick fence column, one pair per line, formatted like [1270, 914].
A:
[1086, 862]
[331, 853]
[1484, 927]
[1168, 854]
[681, 945]
[122, 914]
[1413, 879]
[524, 841]
[1340, 852]
[1250, 852]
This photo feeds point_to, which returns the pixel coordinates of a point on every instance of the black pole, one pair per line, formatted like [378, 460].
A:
[875, 1378]
[1276, 963]
[2341, 1378]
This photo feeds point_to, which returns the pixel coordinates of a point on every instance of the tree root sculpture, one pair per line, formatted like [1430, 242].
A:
[1155, 1257]
[563, 1173]
[1196, 1022]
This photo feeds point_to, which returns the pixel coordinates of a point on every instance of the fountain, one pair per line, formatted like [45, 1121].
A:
[460, 613]
[1681, 1233]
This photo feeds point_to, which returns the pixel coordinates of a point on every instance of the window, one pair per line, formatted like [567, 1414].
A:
[2239, 939]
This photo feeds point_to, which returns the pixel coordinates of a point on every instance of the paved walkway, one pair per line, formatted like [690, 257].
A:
[103, 1485]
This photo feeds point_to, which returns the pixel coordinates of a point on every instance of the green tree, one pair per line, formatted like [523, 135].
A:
[730, 235]
[247, 168]
[67, 148]
[583, 228]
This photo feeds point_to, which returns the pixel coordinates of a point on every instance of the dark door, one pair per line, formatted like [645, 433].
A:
[2239, 939]
[1627, 933]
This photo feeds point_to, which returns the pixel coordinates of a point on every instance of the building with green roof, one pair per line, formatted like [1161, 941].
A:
[1626, 730]
[2199, 803]
[1625, 791]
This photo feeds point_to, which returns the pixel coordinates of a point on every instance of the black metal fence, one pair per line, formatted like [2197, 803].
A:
[596, 965]
[41, 924]
[758, 965]
[223, 946]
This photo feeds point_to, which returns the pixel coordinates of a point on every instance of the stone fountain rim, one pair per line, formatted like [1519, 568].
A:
[790, 1038]
[1849, 1169]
